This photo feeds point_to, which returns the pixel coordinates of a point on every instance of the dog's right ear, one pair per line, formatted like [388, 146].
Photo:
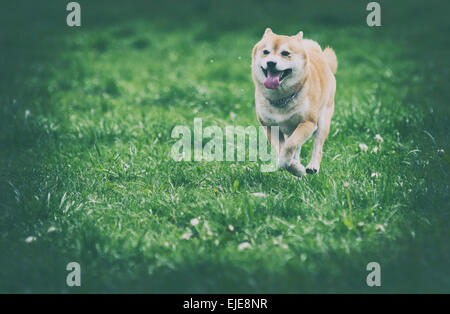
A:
[268, 31]
[299, 36]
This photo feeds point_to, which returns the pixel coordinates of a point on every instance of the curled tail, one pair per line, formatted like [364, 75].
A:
[331, 59]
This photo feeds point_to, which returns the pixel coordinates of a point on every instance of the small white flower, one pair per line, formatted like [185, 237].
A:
[284, 246]
[30, 239]
[187, 235]
[379, 228]
[125, 166]
[375, 149]
[166, 244]
[51, 229]
[194, 221]
[346, 184]
[363, 147]
[303, 257]
[244, 245]
[375, 175]
[379, 138]
[231, 228]
[208, 228]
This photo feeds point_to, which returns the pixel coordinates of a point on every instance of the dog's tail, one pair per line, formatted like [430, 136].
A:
[331, 59]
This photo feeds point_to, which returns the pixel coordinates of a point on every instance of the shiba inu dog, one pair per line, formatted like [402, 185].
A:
[294, 90]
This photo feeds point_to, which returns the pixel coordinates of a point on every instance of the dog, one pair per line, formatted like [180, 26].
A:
[294, 90]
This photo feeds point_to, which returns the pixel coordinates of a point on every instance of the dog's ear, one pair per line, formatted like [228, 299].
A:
[268, 31]
[299, 36]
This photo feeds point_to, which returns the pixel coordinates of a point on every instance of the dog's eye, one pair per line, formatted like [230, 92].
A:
[285, 53]
[266, 52]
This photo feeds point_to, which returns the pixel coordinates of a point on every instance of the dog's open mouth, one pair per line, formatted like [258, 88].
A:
[274, 77]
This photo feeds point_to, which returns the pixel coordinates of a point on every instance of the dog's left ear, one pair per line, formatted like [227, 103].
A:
[299, 36]
[268, 31]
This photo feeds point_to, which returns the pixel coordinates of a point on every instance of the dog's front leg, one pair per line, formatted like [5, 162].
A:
[275, 141]
[286, 158]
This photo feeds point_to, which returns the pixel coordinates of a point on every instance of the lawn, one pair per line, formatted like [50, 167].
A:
[86, 116]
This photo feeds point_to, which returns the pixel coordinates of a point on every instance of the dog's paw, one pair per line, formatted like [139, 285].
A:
[312, 168]
[297, 169]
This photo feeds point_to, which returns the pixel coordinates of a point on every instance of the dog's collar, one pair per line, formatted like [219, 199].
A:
[282, 102]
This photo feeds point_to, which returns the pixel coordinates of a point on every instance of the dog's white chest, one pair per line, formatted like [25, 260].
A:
[287, 119]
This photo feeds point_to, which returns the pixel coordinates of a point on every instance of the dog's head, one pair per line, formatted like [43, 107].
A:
[279, 62]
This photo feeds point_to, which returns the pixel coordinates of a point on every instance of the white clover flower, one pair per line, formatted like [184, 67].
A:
[379, 138]
[363, 147]
[231, 228]
[379, 227]
[244, 245]
[375, 149]
[194, 221]
[125, 166]
[375, 175]
[303, 257]
[30, 239]
[208, 228]
[187, 235]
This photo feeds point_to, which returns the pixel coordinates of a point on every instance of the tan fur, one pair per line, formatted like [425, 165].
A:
[331, 59]
[313, 85]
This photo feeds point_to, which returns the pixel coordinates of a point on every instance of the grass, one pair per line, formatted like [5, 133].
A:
[86, 118]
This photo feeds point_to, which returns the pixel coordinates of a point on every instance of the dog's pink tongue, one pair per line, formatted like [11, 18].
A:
[273, 80]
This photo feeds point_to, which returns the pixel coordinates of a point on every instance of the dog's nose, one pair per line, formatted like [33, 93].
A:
[271, 65]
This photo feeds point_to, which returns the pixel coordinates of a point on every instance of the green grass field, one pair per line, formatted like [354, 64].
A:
[86, 116]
